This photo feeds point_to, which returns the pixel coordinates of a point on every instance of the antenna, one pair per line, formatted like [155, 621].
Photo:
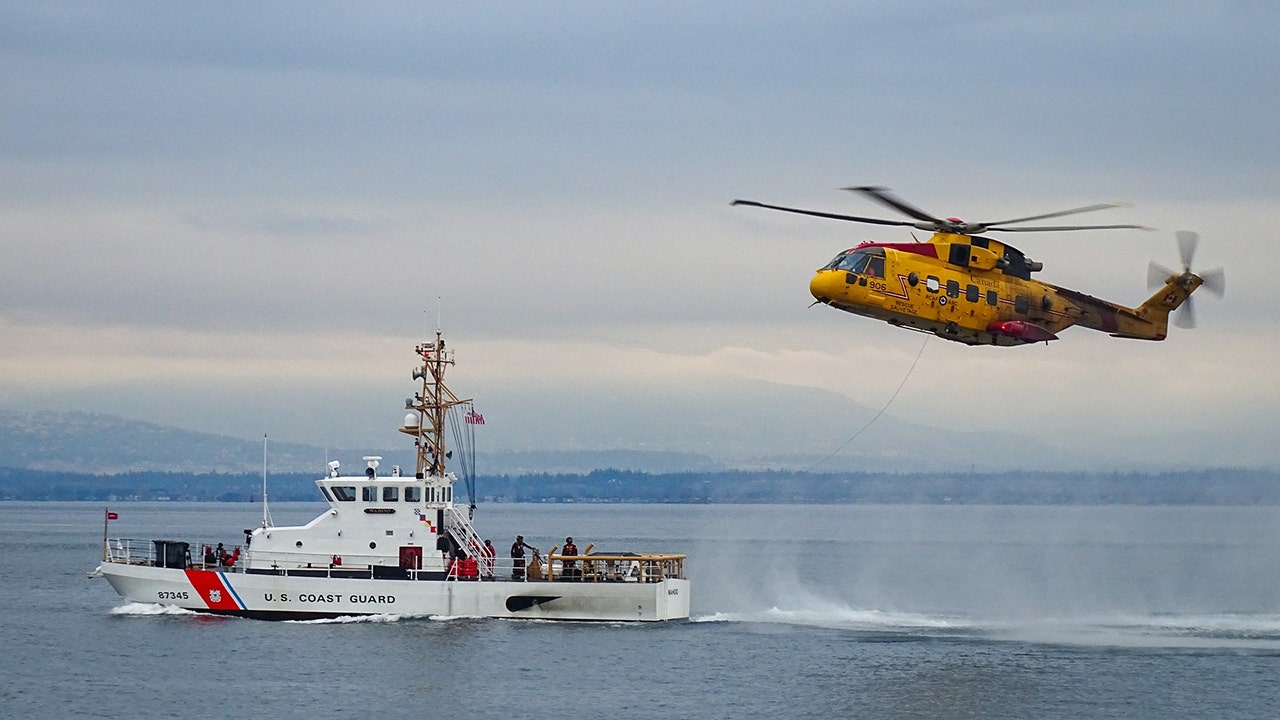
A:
[439, 311]
[266, 512]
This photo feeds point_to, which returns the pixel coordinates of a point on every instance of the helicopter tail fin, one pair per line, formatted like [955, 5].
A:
[1150, 320]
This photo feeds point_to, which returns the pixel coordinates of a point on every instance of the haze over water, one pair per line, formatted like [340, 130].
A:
[798, 611]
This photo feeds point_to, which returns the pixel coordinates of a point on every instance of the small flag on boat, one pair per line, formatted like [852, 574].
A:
[112, 515]
[474, 418]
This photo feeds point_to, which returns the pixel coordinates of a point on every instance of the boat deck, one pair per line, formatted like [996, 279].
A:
[590, 568]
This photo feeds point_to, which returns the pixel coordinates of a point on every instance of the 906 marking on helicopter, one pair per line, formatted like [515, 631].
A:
[965, 287]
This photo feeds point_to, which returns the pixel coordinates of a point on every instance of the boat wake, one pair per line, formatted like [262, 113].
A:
[353, 619]
[142, 609]
[845, 618]
[1232, 631]
[1241, 631]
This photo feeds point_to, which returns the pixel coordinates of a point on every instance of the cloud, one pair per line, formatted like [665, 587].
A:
[278, 197]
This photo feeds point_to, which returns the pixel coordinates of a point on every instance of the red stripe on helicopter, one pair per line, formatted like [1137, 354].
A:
[925, 249]
[902, 280]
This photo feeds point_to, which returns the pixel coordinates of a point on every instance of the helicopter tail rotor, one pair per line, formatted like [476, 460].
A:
[1214, 280]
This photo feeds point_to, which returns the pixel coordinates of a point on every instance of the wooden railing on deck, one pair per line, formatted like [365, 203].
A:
[622, 567]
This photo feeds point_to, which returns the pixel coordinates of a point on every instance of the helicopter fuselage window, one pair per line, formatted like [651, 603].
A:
[875, 268]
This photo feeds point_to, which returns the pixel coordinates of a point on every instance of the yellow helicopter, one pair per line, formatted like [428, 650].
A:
[965, 287]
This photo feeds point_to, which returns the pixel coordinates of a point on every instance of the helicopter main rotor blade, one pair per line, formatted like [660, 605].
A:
[1062, 228]
[1060, 213]
[884, 197]
[815, 213]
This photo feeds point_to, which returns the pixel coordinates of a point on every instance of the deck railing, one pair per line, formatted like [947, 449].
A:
[622, 567]
[599, 568]
[132, 551]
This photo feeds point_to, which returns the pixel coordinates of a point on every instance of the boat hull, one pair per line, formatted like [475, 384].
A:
[288, 597]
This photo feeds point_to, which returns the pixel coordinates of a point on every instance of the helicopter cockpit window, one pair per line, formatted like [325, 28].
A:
[867, 261]
[835, 262]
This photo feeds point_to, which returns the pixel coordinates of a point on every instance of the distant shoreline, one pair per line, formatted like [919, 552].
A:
[1193, 487]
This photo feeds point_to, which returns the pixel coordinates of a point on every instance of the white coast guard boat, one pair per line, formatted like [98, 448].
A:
[396, 543]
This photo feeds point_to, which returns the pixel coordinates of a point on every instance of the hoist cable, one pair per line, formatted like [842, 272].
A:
[877, 415]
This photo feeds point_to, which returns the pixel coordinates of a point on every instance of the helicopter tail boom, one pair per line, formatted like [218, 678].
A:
[1152, 321]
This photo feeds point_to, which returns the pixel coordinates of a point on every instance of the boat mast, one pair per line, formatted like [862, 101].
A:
[431, 404]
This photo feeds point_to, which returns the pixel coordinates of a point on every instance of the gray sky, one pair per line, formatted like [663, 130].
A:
[238, 218]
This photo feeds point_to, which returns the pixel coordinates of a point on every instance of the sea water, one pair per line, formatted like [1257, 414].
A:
[798, 611]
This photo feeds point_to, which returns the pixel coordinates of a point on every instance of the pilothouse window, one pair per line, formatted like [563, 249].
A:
[344, 493]
[412, 494]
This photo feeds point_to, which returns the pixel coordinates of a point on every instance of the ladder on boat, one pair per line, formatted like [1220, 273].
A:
[460, 527]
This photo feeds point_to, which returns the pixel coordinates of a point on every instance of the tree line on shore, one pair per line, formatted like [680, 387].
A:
[1187, 487]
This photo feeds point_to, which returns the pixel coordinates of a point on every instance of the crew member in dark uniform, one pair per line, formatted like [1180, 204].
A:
[517, 558]
[570, 566]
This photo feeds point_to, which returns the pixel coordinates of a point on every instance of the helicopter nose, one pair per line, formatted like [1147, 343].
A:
[826, 285]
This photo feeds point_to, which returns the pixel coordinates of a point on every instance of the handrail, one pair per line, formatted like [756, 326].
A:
[603, 567]
[621, 567]
[473, 544]
[134, 551]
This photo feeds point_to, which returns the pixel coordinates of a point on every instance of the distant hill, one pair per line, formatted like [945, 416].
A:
[105, 444]
[99, 444]
[763, 428]
[86, 456]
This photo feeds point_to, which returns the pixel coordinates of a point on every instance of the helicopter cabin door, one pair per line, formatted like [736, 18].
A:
[411, 557]
[873, 277]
